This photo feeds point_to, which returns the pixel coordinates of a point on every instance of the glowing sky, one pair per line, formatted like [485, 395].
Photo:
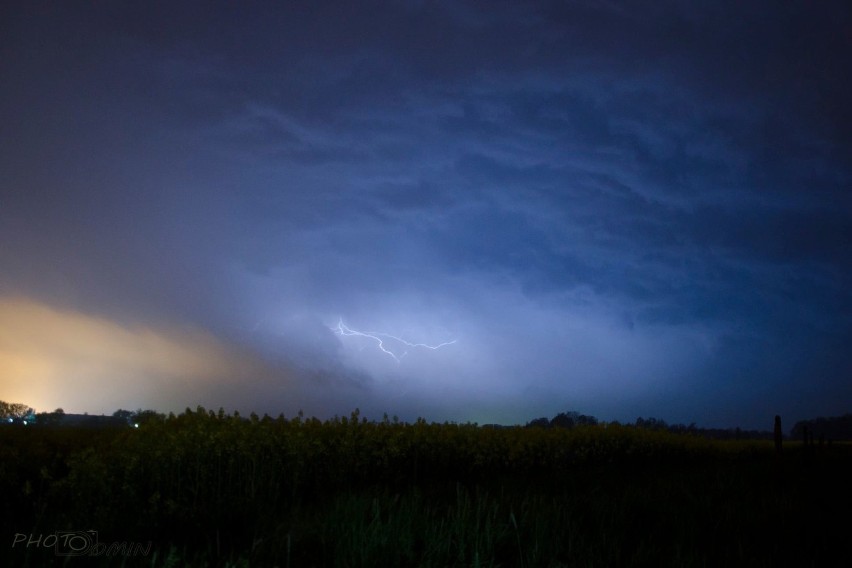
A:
[622, 209]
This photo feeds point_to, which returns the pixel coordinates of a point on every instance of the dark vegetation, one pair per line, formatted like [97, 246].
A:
[572, 419]
[214, 489]
[837, 428]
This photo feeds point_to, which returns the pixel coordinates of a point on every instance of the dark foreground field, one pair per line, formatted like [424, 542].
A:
[208, 489]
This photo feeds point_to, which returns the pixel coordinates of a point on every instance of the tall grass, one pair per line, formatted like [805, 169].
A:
[216, 490]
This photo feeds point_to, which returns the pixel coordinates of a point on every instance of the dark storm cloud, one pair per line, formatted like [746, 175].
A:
[638, 208]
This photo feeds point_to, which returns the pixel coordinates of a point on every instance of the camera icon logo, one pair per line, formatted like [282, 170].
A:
[75, 543]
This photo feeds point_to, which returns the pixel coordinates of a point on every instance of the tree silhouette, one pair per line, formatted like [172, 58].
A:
[14, 410]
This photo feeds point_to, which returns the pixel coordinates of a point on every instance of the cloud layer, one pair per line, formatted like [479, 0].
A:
[615, 209]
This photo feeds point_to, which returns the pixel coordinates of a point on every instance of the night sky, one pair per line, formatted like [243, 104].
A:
[466, 211]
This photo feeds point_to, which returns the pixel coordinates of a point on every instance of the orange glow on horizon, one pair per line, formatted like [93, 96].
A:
[53, 358]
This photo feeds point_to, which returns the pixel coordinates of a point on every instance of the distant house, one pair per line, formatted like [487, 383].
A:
[29, 418]
[60, 419]
[91, 421]
[72, 420]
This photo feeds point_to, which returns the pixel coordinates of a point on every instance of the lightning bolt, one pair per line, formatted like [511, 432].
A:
[379, 338]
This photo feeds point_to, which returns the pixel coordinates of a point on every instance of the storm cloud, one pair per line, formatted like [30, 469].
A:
[620, 209]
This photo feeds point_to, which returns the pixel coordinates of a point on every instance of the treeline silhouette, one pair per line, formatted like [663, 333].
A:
[832, 428]
[574, 419]
[828, 428]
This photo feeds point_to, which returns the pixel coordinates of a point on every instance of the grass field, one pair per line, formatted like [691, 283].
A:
[208, 489]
